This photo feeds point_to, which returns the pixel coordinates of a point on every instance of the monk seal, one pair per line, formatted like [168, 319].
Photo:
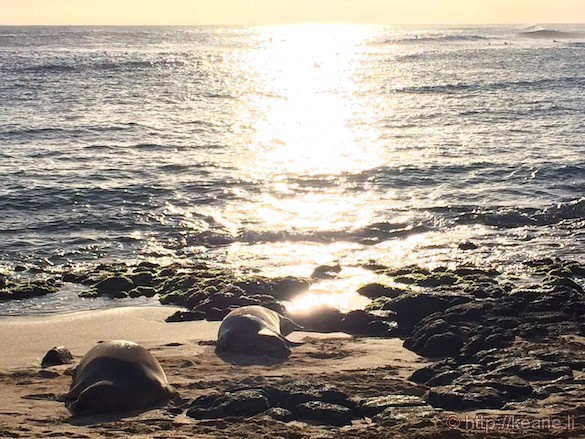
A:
[255, 329]
[115, 376]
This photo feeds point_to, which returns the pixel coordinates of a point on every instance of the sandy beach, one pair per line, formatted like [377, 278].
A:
[360, 367]
[186, 352]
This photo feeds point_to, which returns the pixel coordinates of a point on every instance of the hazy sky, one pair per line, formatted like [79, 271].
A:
[285, 11]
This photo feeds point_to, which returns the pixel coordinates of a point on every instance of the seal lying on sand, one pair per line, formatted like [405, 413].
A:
[256, 330]
[114, 376]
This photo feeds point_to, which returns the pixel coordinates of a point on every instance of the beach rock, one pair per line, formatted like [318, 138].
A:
[113, 286]
[442, 345]
[56, 356]
[280, 414]
[512, 388]
[458, 398]
[381, 328]
[27, 290]
[143, 279]
[416, 418]
[444, 378]
[285, 288]
[217, 314]
[186, 316]
[324, 318]
[243, 403]
[376, 290]
[74, 277]
[411, 309]
[287, 401]
[357, 321]
[323, 413]
[326, 272]
[373, 406]
[142, 292]
[425, 374]
[467, 245]
[219, 300]
[290, 395]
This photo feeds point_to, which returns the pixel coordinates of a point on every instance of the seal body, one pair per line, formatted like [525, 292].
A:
[256, 330]
[115, 376]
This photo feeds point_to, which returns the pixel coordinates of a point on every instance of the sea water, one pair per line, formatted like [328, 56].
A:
[276, 149]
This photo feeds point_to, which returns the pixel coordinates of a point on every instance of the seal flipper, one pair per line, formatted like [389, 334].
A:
[97, 398]
[288, 325]
[286, 341]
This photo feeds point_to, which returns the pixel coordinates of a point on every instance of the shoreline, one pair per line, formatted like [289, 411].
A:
[464, 341]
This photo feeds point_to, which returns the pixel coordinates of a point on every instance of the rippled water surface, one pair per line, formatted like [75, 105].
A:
[282, 148]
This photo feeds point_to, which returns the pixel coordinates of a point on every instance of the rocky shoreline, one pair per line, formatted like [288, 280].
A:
[494, 343]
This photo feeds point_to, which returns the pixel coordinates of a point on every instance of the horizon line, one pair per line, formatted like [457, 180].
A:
[292, 23]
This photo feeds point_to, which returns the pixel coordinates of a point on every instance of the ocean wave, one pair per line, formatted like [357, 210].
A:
[546, 83]
[432, 39]
[99, 66]
[507, 218]
[537, 33]
[368, 235]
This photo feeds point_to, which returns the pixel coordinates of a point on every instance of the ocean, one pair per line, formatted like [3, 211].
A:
[276, 149]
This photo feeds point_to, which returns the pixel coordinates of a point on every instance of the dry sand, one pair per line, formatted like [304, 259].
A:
[364, 367]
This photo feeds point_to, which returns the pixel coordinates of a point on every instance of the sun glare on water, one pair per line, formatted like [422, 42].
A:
[307, 127]
[308, 119]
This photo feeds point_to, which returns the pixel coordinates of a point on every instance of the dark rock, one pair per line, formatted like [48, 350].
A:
[324, 318]
[326, 271]
[528, 330]
[194, 299]
[372, 406]
[356, 322]
[143, 279]
[74, 277]
[323, 413]
[219, 300]
[113, 286]
[576, 269]
[26, 290]
[437, 279]
[216, 314]
[286, 288]
[416, 417]
[19, 268]
[56, 356]
[531, 369]
[514, 388]
[421, 376]
[186, 316]
[442, 345]
[381, 328]
[243, 403]
[280, 414]
[468, 245]
[457, 398]
[444, 378]
[167, 272]
[142, 292]
[411, 309]
[565, 282]
[378, 290]
[290, 395]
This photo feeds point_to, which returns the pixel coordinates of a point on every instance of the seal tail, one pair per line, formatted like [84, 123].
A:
[286, 341]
